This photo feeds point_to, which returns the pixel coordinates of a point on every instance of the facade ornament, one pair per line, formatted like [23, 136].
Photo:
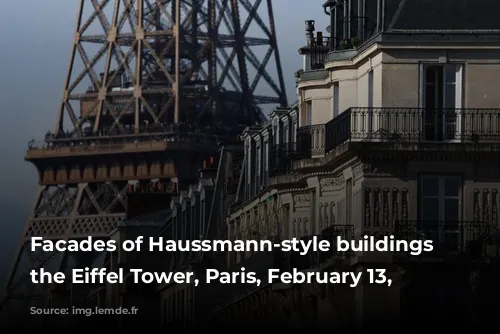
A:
[302, 200]
[331, 183]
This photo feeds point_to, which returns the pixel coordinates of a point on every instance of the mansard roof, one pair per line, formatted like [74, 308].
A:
[186, 195]
[439, 15]
[446, 15]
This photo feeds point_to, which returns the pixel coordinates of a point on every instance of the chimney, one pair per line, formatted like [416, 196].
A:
[310, 32]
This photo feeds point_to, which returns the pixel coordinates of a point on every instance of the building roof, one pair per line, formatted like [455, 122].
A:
[433, 15]
[444, 15]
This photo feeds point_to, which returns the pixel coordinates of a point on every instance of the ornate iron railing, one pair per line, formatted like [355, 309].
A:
[416, 125]
[474, 239]
[311, 140]
[281, 158]
[319, 50]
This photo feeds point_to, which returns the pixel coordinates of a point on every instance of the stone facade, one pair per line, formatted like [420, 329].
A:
[391, 162]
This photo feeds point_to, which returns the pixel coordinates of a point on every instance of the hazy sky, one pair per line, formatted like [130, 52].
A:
[35, 41]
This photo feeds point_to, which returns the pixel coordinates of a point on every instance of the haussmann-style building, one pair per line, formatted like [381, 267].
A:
[396, 132]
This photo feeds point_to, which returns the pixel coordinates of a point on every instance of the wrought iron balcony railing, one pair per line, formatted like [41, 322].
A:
[319, 50]
[471, 239]
[403, 125]
[281, 158]
[311, 140]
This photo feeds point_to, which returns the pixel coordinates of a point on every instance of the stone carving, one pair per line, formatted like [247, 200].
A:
[331, 183]
[357, 172]
[302, 200]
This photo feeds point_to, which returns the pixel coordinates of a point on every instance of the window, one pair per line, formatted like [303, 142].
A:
[440, 208]
[441, 95]
[308, 113]
[370, 102]
[336, 103]
[370, 89]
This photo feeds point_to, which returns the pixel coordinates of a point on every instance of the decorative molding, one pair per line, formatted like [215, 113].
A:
[302, 200]
[357, 172]
[331, 183]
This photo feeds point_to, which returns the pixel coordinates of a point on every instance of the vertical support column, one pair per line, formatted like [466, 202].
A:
[76, 40]
[272, 28]
[177, 36]
[111, 35]
[138, 64]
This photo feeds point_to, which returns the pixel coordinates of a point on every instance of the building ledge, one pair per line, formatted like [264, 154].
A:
[312, 75]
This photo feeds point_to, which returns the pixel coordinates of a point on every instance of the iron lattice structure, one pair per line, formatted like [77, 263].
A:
[151, 85]
[162, 62]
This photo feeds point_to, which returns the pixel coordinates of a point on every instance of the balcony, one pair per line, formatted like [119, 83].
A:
[402, 126]
[320, 47]
[311, 140]
[472, 240]
[281, 158]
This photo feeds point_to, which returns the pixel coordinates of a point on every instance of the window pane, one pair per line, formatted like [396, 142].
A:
[336, 97]
[430, 210]
[451, 187]
[450, 74]
[451, 210]
[308, 113]
[430, 186]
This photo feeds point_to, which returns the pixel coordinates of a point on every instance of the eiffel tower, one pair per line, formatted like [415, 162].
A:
[152, 86]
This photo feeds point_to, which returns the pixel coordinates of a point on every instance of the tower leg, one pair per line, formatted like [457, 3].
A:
[61, 212]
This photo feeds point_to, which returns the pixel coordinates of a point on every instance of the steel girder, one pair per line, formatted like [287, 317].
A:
[166, 56]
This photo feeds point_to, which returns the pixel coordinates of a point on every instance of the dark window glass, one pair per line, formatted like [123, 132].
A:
[430, 187]
[451, 209]
[451, 187]
[430, 209]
